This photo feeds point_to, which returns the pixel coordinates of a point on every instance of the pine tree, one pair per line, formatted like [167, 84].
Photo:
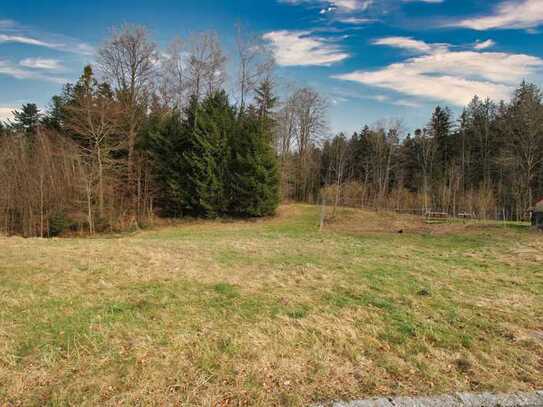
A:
[27, 119]
[266, 102]
[441, 130]
[54, 118]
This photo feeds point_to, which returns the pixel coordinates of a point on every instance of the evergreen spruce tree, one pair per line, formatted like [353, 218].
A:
[265, 102]
[54, 118]
[206, 159]
[254, 175]
[441, 130]
[215, 162]
[164, 139]
[27, 119]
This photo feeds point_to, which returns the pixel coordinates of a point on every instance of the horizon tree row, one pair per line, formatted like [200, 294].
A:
[488, 163]
[147, 133]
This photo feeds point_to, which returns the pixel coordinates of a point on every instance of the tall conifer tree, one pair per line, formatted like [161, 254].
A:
[254, 175]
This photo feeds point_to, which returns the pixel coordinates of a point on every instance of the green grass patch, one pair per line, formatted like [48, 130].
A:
[271, 312]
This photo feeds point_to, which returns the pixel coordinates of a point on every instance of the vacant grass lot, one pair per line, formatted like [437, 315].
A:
[271, 312]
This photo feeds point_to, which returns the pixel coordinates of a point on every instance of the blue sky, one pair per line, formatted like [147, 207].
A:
[372, 59]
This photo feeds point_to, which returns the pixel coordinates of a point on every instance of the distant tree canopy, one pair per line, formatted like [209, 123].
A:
[489, 162]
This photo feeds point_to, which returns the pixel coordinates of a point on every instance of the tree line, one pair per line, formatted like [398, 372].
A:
[486, 164]
[145, 132]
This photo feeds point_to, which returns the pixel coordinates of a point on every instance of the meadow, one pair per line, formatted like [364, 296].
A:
[272, 311]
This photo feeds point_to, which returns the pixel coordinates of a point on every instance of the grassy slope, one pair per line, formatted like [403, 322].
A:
[271, 312]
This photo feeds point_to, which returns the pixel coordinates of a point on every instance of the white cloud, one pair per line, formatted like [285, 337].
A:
[409, 43]
[11, 32]
[396, 102]
[15, 71]
[299, 48]
[458, 91]
[5, 113]
[406, 102]
[41, 63]
[522, 14]
[351, 6]
[344, 95]
[450, 76]
[70, 46]
[424, 1]
[484, 44]
[21, 39]
[380, 98]
[332, 5]
[356, 20]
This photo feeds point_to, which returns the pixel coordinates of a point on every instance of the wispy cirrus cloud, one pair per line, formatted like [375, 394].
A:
[12, 32]
[342, 95]
[352, 6]
[301, 48]
[16, 71]
[510, 14]
[409, 43]
[394, 101]
[37, 67]
[331, 5]
[450, 76]
[355, 20]
[484, 44]
[42, 63]
[424, 1]
[22, 39]
[7, 24]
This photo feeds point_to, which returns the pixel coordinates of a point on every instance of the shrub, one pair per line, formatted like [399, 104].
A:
[59, 223]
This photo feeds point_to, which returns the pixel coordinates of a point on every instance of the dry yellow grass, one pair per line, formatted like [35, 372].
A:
[271, 312]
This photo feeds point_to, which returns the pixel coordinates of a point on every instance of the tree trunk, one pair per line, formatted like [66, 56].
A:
[100, 182]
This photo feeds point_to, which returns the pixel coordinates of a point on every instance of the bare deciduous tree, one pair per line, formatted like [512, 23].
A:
[128, 61]
[256, 63]
[310, 111]
[206, 71]
[426, 150]
[39, 180]
[95, 116]
[309, 117]
[173, 86]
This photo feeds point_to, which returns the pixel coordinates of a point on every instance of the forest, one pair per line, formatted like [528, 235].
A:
[172, 133]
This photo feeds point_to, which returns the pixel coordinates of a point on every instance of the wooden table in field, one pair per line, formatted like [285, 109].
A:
[436, 217]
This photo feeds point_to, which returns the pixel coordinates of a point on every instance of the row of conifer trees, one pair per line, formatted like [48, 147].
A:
[215, 159]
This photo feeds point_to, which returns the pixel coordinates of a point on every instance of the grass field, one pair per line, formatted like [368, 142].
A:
[271, 312]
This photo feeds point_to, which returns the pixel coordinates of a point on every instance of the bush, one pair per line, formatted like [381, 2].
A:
[59, 223]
